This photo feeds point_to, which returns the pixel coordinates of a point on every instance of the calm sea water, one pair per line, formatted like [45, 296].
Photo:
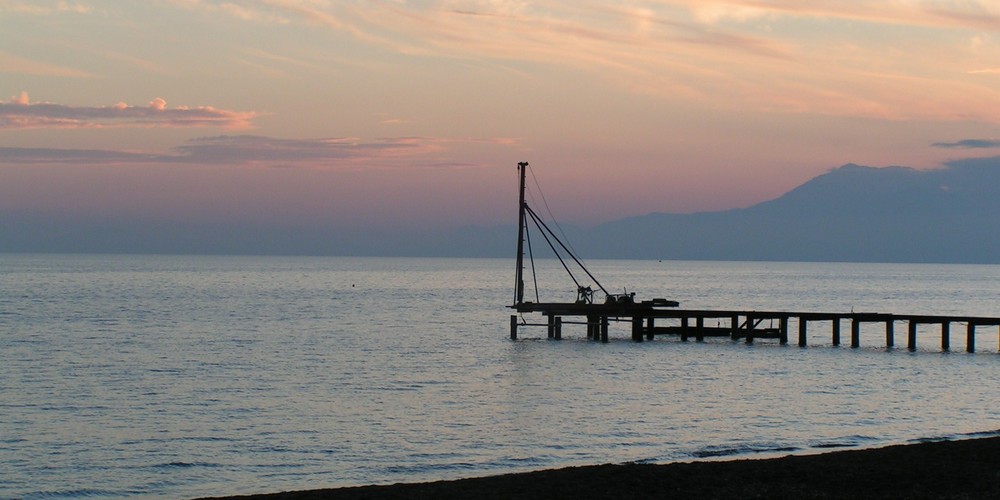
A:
[190, 376]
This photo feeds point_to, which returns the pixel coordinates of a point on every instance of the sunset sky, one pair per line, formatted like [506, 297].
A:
[380, 115]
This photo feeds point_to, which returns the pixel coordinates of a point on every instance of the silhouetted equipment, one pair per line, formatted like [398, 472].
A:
[647, 317]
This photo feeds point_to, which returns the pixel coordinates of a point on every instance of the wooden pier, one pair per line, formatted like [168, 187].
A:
[648, 320]
[648, 317]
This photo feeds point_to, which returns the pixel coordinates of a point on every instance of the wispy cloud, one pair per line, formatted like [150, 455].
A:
[243, 10]
[772, 55]
[46, 156]
[974, 14]
[253, 150]
[10, 63]
[20, 113]
[969, 144]
[41, 8]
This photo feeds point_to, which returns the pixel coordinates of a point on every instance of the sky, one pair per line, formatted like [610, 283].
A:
[391, 115]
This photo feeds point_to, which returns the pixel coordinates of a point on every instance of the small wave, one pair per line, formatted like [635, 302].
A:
[440, 469]
[80, 493]
[845, 441]
[833, 444]
[184, 465]
[956, 437]
[165, 370]
[522, 461]
[430, 468]
[981, 434]
[195, 439]
[748, 449]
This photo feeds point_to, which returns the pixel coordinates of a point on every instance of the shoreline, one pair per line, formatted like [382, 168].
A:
[964, 468]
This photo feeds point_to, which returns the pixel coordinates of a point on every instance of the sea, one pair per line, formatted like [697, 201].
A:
[189, 376]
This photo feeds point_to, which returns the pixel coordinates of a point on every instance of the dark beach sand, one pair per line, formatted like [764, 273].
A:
[949, 469]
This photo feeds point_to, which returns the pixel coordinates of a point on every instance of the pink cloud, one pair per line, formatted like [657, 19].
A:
[20, 113]
[158, 104]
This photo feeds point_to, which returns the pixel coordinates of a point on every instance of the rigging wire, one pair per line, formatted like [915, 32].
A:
[531, 257]
[538, 221]
[540, 225]
[552, 217]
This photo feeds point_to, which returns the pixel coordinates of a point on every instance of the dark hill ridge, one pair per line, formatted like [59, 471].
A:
[853, 190]
[851, 213]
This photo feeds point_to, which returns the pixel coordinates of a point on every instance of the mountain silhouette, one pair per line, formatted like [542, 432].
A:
[852, 213]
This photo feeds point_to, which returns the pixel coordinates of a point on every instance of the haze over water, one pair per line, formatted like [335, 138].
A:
[187, 376]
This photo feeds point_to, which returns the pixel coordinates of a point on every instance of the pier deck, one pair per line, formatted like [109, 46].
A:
[736, 324]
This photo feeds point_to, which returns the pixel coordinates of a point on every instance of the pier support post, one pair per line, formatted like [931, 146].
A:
[700, 329]
[911, 336]
[684, 329]
[650, 325]
[970, 337]
[855, 332]
[734, 332]
[836, 331]
[513, 327]
[590, 328]
[750, 327]
[604, 328]
[558, 328]
[803, 325]
[552, 326]
[637, 328]
[783, 330]
[945, 336]
[890, 333]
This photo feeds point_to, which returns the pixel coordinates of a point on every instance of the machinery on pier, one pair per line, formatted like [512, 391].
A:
[614, 305]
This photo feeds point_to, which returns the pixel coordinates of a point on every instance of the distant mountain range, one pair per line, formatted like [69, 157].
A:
[849, 214]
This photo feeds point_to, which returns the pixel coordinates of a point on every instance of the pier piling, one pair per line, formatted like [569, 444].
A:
[746, 325]
[970, 337]
[637, 328]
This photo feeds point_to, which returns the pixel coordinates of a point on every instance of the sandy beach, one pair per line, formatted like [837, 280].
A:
[968, 468]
